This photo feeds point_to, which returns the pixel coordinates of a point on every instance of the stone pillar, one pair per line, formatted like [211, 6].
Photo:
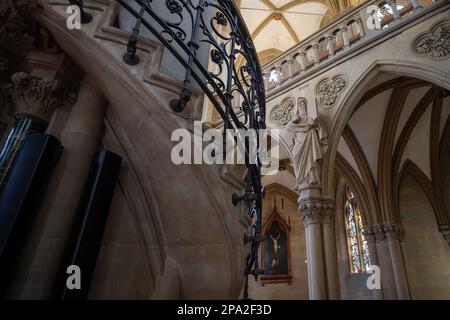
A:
[393, 5]
[329, 245]
[345, 37]
[81, 137]
[394, 234]
[330, 46]
[290, 62]
[316, 53]
[34, 101]
[362, 32]
[369, 234]
[279, 74]
[384, 259]
[311, 212]
[318, 218]
[416, 4]
[388, 256]
[302, 61]
[266, 79]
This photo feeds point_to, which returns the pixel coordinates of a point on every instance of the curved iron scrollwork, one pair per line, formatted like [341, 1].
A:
[229, 75]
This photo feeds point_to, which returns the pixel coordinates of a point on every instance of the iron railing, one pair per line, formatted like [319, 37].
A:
[230, 76]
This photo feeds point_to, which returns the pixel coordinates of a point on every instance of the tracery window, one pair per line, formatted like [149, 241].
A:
[357, 244]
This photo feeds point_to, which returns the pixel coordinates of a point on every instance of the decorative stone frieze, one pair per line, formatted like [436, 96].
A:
[434, 44]
[315, 211]
[329, 90]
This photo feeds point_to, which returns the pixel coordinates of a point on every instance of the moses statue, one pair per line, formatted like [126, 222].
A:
[309, 143]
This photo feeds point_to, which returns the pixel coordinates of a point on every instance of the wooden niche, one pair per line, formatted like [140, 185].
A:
[275, 253]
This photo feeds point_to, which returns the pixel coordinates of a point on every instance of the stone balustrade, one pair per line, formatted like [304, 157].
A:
[351, 30]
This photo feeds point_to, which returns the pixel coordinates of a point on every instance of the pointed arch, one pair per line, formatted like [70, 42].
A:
[354, 95]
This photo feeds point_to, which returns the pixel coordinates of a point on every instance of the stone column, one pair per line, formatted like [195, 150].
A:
[362, 32]
[290, 62]
[266, 79]
[311, 211]
[393, 5]
[329, 245]
[384, 261]
[369, 234]
[330, 46]
[345, 37]
[81, 137]
[318, 218]
[394, 234]
[316, 53]
[34, 100]
[416, 4]
[302, 61]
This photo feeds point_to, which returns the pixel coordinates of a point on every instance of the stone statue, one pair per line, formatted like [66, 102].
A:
[309, 145]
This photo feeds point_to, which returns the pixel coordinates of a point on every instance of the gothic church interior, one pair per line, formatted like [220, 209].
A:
[354, 95]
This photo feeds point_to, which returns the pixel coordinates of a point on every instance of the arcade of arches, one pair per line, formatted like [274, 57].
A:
[359, 208]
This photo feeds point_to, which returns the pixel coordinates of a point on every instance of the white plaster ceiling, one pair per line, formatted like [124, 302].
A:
[280, 24]
[345, 152]
[414, 96]
[418, 147]
[367, 123]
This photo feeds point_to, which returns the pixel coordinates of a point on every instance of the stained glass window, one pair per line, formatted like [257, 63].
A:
[357, 244]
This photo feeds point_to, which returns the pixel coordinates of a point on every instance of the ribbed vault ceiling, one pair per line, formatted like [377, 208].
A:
[277, 25]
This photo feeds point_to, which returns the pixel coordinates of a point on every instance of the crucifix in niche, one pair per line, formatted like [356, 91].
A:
[276, 250]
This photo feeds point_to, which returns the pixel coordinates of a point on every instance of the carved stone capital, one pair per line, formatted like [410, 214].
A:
[383, 232]
[445, 230]
[369, 233]
[36, 97]
[394, 231]
[315, 211]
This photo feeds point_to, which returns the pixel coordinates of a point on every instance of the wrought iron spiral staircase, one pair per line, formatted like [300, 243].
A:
[231, 77]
